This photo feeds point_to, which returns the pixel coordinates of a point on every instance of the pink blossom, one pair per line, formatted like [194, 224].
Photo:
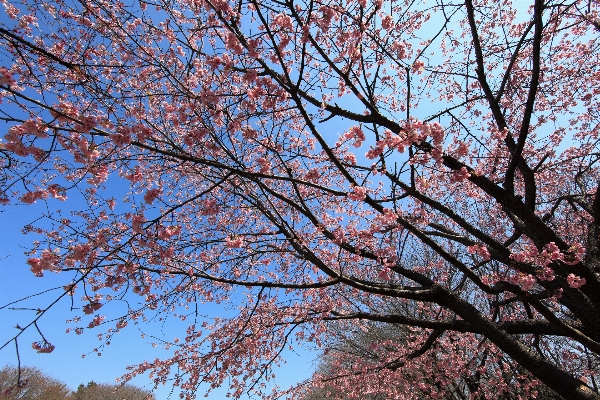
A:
[284, 21]
[36, 265]
[546, 274]
[99, 175]
[350, 158]
[6, 77]
[70, 289]
[383, 275]
[375, 151]
[43, 347]
[357, 134]
[549, 254]
[265, 165]
[234, 242]
[96, 321]
[35, 127]
[137, 222]
[152, 195]
[31, 197]
[210, 207]
[358, 193]
[232, 43]
[85, 124]
[91, 307]
[47, 261]
[574, 255]
[121, 138]
[459, 175]
[480, 250]
[400, 49]
[526, 282]
[386, 22]
[168, 232]
[249, 133]
[80, 251]
[57, 192]
[136, 175]
[575, 281]
[111, 203]
[418, 66]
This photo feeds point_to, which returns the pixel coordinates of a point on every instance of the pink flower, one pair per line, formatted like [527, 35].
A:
[249, 133]
[31, 197]
[528, 282]
[574, 255]
[386, 22]
[96, 321]
[418, 66]
[47, 261]
[350, 158]
[43, 347]
[121, 138]
[546, 274]
[151, 195]
[6, 77]
[135, 176]
[137, 223]
[169, 232]
[480, 250]
[36, 265]
[85, 124]
[265, 165]
[357, 134]
[57, 192]
[70, 289]
[358, 193]
[525, 281]
[210, 207]
[575, 281]
[383, 275]
[459, 175]
[80, 251]
[234, 242]
[376, 151]
[232, 43]
[91, 307]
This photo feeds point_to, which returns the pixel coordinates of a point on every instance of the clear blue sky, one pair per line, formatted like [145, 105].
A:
[66, 362]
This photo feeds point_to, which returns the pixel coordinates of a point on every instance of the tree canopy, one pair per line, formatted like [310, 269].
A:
[429, 165]
[29, 383]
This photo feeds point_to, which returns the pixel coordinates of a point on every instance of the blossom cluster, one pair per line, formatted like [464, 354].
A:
[43, 347]
[16, 134]
[543, 260]
[358, 193]
[47, 261]
[6, 77]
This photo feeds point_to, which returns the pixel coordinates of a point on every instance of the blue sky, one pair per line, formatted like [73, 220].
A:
[66, 362]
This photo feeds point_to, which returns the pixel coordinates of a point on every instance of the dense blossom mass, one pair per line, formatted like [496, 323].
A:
[428, 170]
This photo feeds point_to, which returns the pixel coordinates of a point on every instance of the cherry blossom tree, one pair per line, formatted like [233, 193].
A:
[365, 348]
[306, 162]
